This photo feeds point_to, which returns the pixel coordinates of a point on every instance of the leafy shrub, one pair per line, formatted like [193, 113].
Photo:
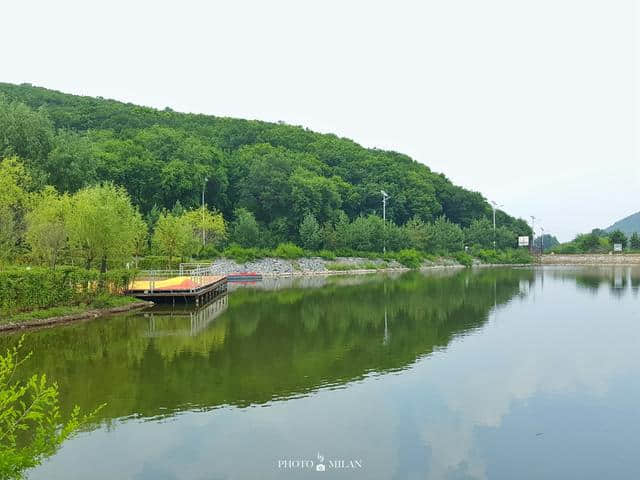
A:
[242, 254]
[504, 257]
[464, 258]
[24, 289]
[327, 255]
[157, 262]
[340, 266]
[209, 252]
[409, 258]
[31, 424]
[288, 250]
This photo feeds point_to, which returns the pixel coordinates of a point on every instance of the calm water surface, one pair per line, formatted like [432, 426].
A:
[493, 374]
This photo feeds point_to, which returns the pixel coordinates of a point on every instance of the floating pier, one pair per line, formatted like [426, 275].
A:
[197, 284]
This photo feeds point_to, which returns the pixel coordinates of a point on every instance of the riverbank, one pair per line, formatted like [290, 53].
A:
[279, 267]
[590, 259]
[47, 317]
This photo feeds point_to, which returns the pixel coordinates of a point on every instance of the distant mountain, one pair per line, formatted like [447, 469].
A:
[628, 224]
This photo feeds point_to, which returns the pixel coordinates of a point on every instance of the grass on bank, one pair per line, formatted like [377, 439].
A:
[103, 301]
[341, 266]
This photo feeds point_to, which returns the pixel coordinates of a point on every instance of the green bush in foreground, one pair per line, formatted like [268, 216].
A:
[31, 428]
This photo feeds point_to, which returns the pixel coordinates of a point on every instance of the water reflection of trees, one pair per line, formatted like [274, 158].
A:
[618, 280]
[267, 344]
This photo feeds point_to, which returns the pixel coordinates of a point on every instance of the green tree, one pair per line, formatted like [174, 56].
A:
[310, 232]
[15, 182]
[46, 226]
[212, 223]
[70, 164]
[342, 231]
[480, 233]
[588, 242]
[173, 236]
[444, 236]
[367, 234]
[31, 428]
[634, 241]
[25, 132]
[506, 238]
[103, 225]
[8, 235]
[140, 239]
[618, 236]
[245, 229]
[416, 232]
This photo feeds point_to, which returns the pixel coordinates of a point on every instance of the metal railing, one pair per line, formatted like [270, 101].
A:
[198, 273]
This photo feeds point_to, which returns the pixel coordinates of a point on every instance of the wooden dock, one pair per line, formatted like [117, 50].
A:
[198, 285]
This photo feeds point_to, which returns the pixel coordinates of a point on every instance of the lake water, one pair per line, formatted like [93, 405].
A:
[489, 374]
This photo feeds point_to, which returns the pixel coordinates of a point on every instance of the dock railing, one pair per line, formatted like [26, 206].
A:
[199, 274]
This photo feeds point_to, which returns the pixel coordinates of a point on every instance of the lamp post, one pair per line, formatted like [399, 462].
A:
[494, 205]
[203, 187]
[533, 231]
[385, 195]
[541, 240]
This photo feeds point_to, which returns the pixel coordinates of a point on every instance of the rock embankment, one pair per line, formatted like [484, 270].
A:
[591, 259]
[316, 266]
[301, 266]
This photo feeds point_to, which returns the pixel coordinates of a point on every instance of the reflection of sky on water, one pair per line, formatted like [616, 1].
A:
[546, 389]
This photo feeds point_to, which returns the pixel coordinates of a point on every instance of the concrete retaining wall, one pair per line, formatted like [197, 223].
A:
[591, 259]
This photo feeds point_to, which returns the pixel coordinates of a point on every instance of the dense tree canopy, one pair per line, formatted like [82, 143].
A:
[276, 176]
[247, 162]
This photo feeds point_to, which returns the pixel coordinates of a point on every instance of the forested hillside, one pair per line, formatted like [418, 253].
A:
[277, 171]
[627, 225]
[265, 184]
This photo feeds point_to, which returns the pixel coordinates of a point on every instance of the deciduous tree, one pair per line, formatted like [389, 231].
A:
[46, 226]
[103, 224]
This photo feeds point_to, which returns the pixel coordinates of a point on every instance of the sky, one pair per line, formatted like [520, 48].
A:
[530, 103]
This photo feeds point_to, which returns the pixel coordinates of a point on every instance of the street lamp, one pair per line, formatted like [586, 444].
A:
[203, 187]
[533, 231]
[541, 240]
[385, 195]
[495, 205]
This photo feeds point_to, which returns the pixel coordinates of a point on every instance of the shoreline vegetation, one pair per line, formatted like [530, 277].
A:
[35, 296]
[111, 188]
[106, 300]
[62, 315]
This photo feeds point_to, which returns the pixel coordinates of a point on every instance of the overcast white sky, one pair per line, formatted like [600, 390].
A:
[528, 102]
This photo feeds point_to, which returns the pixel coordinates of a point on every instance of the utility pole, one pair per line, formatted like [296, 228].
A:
[385, 195]
[494, 205]
[533, 231]
[203, 187]
[541, 240]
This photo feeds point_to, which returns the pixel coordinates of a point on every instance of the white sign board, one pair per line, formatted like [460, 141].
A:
[523, 241]
[617, 247]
